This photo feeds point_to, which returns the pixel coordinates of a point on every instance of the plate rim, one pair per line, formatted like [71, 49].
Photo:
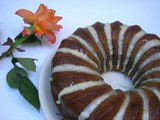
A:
[41, 87]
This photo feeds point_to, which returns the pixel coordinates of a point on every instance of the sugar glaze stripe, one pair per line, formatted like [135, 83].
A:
[143, 49]
[87, 45]
[77, 87]
[146, 62]
[74, 68]
[146, 73]
[154, 90]
[94, 104]
[77, 54]
[120, 43]
[151, 80]
[122, 110]
[97, 41]
[136, 37]
[145, 115]
[107, 29]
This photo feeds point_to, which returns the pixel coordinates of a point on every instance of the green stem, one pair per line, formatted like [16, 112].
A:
[11, 48]
[20, 41]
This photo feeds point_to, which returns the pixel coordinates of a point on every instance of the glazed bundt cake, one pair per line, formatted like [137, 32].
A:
[77, 84]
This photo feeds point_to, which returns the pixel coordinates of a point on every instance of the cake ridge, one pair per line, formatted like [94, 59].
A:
[143, 49]
[149, 60]
[90, 108]
[78, 54]
[122, 110]
[71, 67]
[77, 87]
[97, 41]
[107, 29]
[146, 73]
[145, 115]
[136, 37]
[121, 38]
[154, 90]
[151, 79]
[87, 45]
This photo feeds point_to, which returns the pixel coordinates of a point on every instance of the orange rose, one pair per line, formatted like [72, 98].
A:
[43, 22]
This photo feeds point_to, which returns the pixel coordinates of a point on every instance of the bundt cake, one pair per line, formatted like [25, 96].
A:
[77, 84]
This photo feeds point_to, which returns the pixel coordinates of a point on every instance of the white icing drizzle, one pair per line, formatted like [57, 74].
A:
[121, 112]
[107, 29]
[145, 115]
[136, 37]
[77, 87]
[152, 80]
[73, 68]
[143, 49]
[154, 90]
[87, 45]
[96, 39]
[146, 62]
[120, 43]
[77, 54]
[94, 104]
[146, 73]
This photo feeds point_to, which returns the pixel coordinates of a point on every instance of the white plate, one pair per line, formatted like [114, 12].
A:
[48, 106]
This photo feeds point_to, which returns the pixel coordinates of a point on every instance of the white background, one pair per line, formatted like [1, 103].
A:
[75, 13]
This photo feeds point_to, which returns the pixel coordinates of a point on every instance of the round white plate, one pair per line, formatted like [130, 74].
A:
[47, 103]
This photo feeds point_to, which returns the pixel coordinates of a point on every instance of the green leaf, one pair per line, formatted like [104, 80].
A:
[29, 92]
[27, 63]
[18, 36]
[14, 60]
[32, 39]
[17, 78]
[13, 79]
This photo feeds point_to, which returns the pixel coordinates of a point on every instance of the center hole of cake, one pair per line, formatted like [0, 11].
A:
[118, 80]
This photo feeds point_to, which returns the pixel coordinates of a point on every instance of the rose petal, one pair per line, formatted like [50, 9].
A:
[38, 31]
[47, 25]
[55, 19]
[57, 28]
[26, 31]
[42, 8]
[44, 16]
[51, 11]
[50, 37]
[27, 15]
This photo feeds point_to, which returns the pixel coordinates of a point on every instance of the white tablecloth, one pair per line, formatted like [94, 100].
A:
[76, 13]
